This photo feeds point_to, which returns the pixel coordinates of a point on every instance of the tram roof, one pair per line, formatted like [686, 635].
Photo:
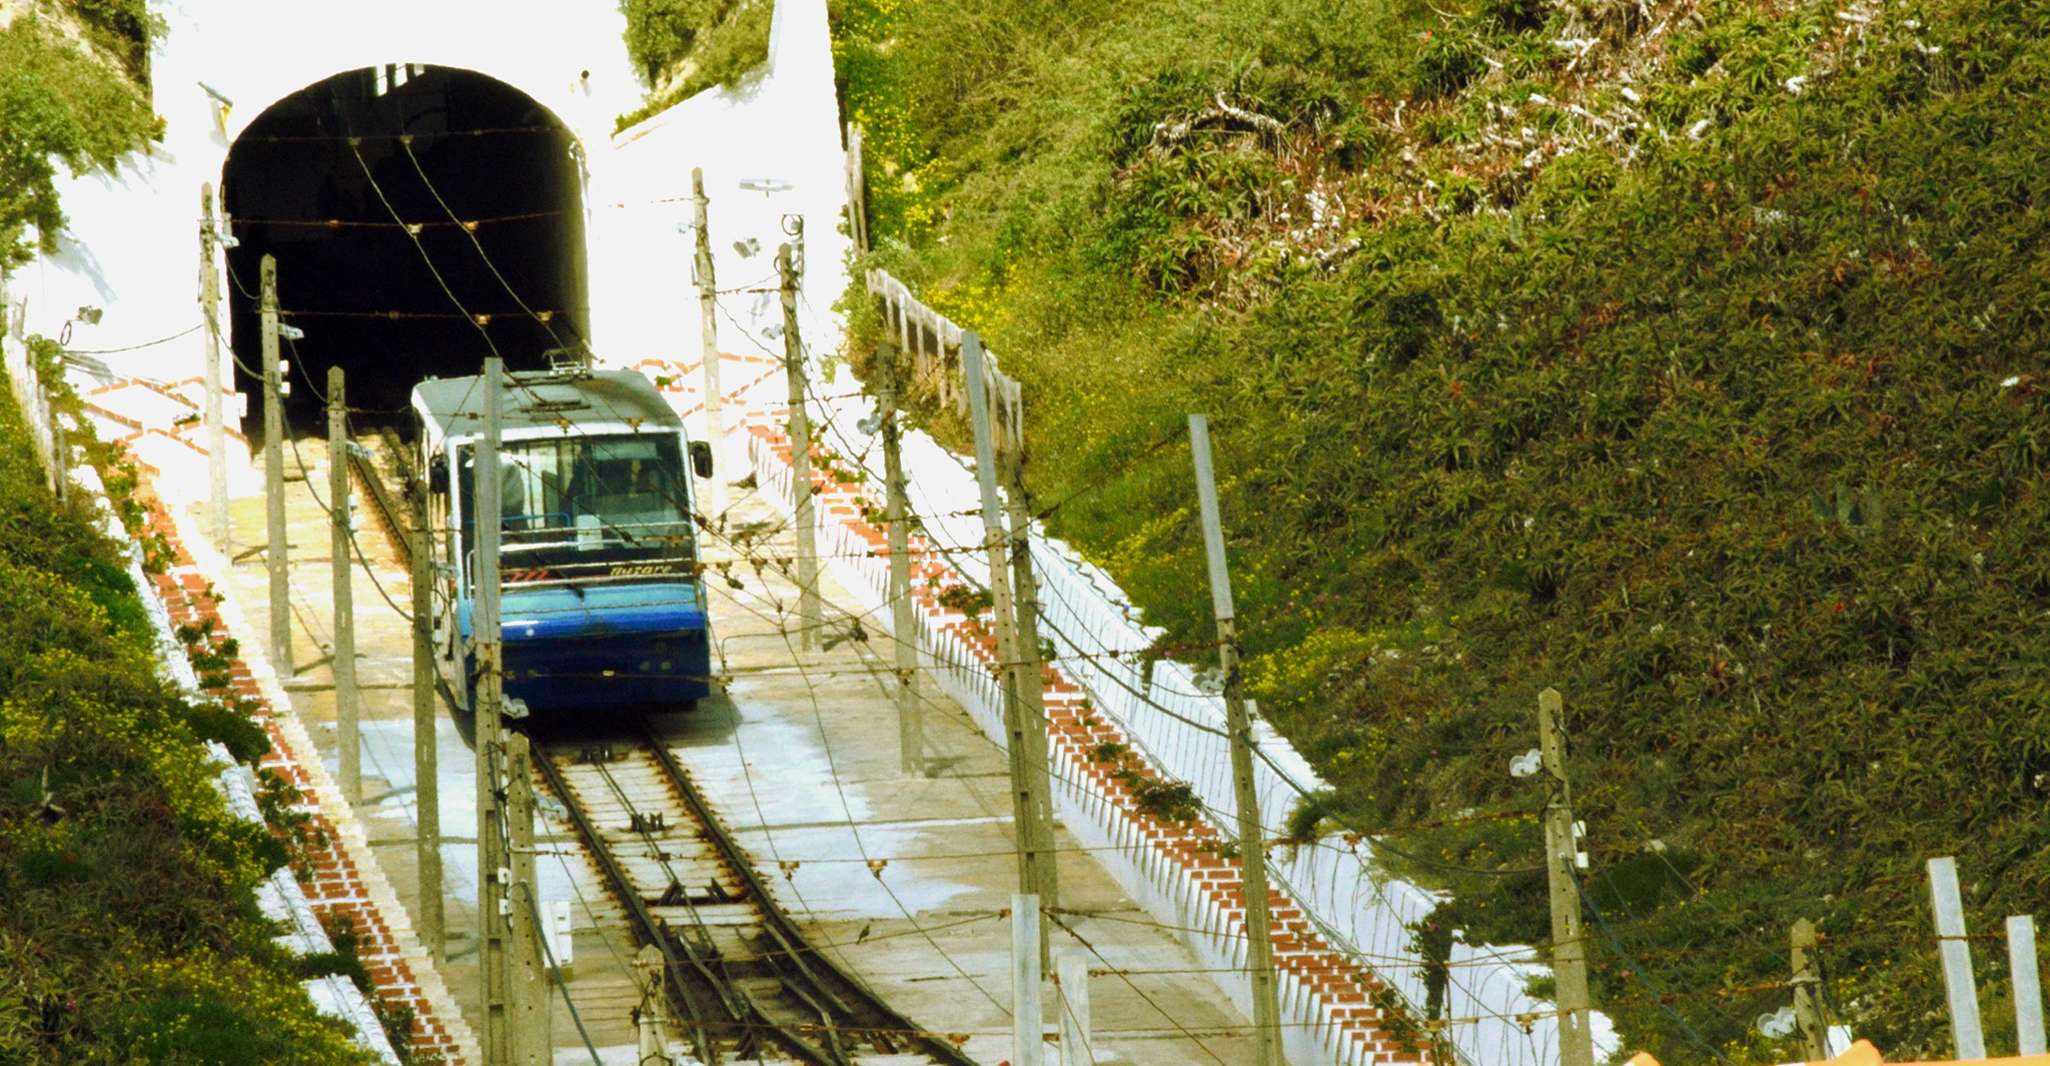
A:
[456, 405]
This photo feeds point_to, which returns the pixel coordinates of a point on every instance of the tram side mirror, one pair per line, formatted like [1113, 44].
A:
[701, 458]
[437, 479]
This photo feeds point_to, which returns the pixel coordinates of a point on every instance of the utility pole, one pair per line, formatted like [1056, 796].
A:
[426, 724]
[532, 1042]
[60, 449]
[708, 312]
[494, 873]
[2028, 984]
[1026, 666]
[1238, 721]
[809, 614]
[1562, 859]
[1807, 980]
[651, 1018]
[1030, 807]
[342, 563]
[910, 720]
[1963, 992]
[1028, 1033]
[274, 475]
[216, 436]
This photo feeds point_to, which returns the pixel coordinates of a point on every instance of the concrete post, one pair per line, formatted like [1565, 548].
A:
[652, 1016]
[426, 724]
[910, 721]
[1028, 1031]
[1252, 846]
[342, 555]
[708, 313]
[494, 871]
[2028, 984]
[1807, 1003]
[276, 555]
[216, 434]
[1028, 807]
[1026, 666]
[1073, 985]
[810, 616]
[1562, 856]
[1962, 992]
[532, 1040]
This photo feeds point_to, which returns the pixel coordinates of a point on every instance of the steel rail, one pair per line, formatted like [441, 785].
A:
[845, 1006]
[851, 997]
[650, 929]
[380, 497]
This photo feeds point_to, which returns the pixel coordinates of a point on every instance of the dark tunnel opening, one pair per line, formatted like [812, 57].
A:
[341, 179]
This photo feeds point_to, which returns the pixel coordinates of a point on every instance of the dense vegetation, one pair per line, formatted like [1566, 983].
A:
[1684, 356]
[683, 47]
[59, 103]
[130, 931]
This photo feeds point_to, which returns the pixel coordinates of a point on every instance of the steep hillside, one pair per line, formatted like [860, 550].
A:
[1686, 356]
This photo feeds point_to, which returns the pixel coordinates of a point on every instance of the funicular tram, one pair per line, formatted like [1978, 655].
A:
[602, 604]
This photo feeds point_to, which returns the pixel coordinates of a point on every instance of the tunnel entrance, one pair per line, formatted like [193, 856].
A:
[421, 217]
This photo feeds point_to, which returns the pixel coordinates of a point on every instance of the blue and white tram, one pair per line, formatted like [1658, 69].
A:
[602, 605]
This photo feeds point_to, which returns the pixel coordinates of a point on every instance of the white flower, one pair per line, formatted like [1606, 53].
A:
[2011, 382]
[1695, 131]
[1795, 83]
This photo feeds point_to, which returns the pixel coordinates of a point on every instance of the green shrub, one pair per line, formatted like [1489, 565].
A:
[57, 104]
[124, 28]
[713, 42]
[130, 930]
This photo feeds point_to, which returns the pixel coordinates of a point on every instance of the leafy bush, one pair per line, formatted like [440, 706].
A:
[130, 931]
[1724, 421]
[710, 42]
[124, 28]
[56, 104]
[659, 33]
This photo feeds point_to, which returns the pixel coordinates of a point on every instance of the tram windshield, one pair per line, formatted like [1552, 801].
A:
[570, 505]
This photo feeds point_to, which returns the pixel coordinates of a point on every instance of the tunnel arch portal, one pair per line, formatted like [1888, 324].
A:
[422, 217]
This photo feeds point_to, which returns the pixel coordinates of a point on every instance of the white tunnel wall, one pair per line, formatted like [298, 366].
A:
[132, 245]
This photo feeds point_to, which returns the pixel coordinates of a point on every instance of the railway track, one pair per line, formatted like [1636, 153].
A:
[742, 980]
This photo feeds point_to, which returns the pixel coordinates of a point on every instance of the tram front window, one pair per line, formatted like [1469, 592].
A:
[575, 500]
